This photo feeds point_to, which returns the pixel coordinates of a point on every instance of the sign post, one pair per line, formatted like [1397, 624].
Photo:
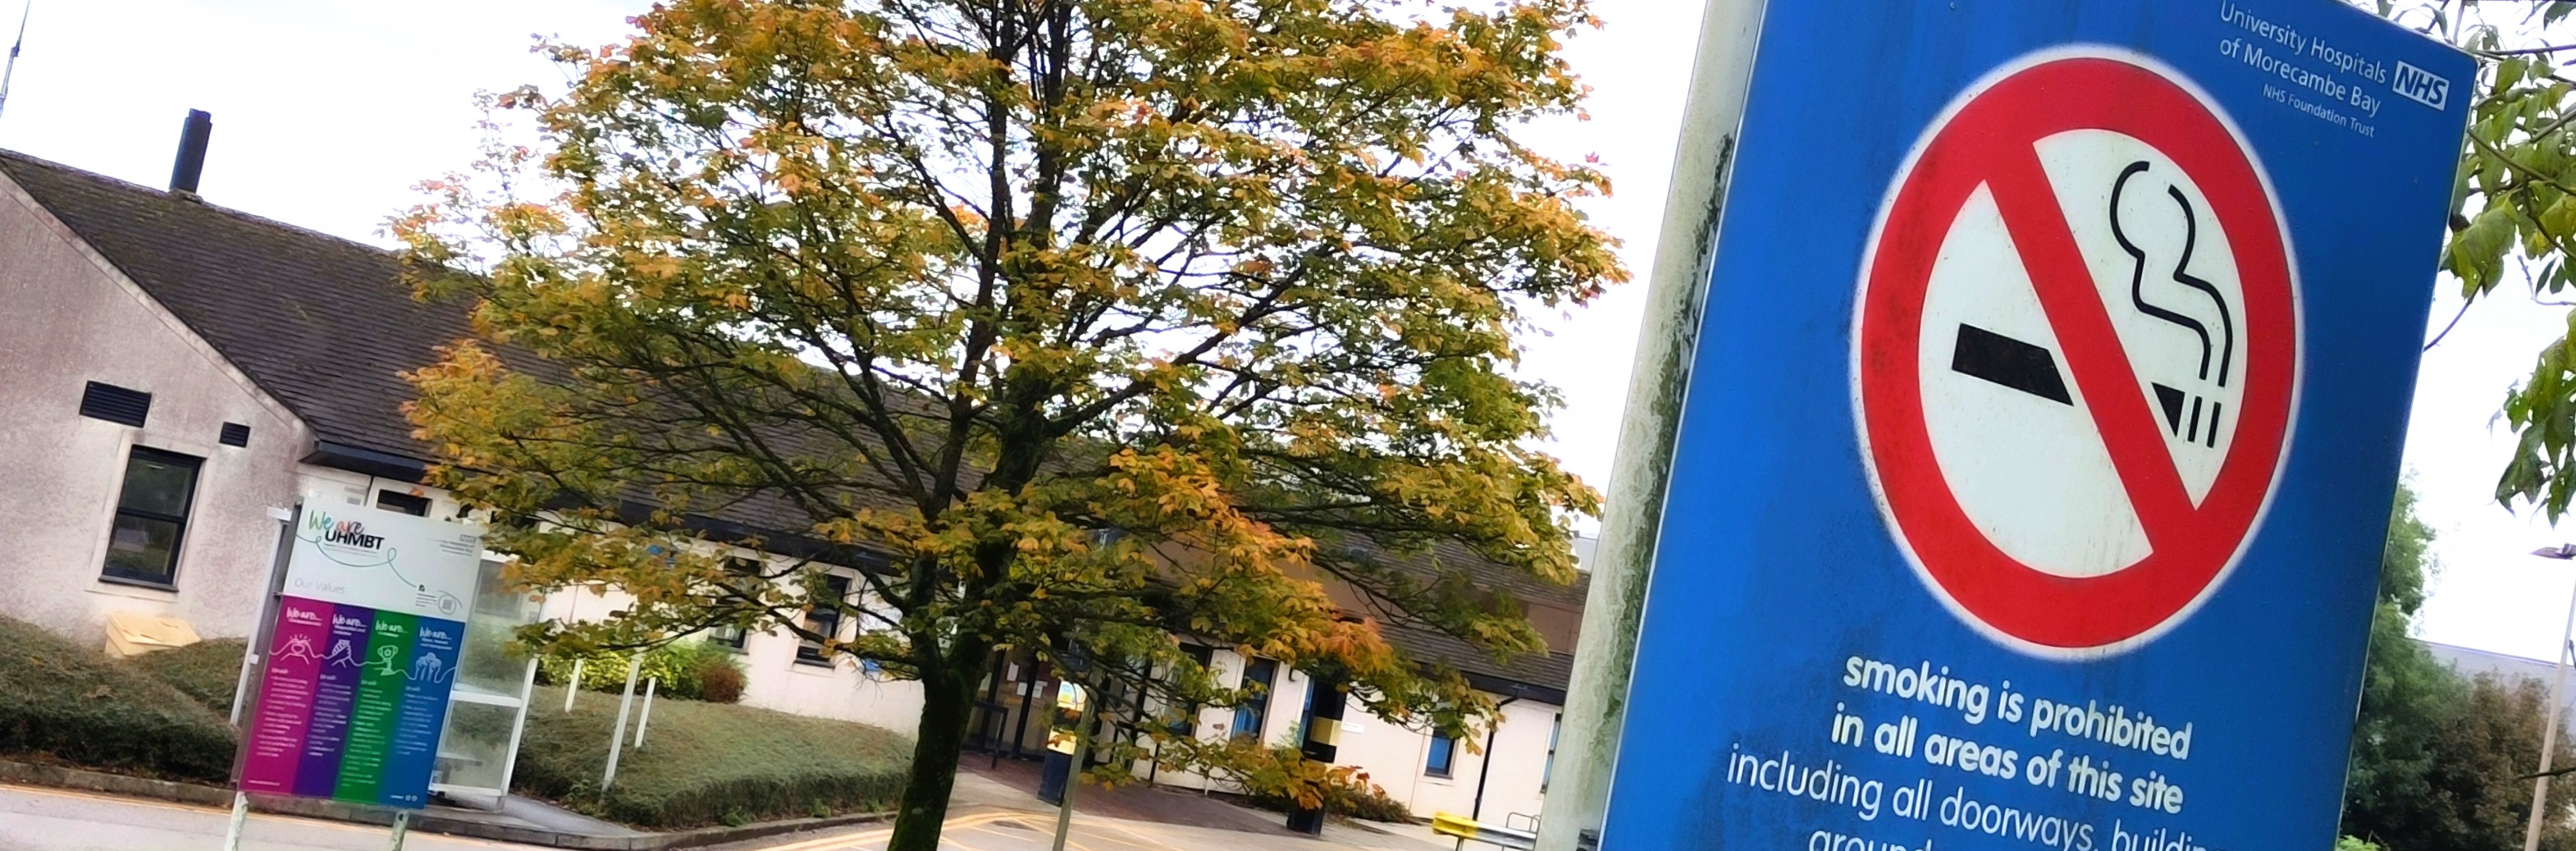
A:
[2037, 450]
[361, 657]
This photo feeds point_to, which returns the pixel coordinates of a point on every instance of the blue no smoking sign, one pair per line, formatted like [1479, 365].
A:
[2042, 429]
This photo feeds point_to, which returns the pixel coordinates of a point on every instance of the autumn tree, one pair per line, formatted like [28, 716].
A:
[1074, 324]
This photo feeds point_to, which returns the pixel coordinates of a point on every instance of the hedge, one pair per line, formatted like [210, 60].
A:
[708, 763]
[68, 703]
[691, 670]
[207, 670]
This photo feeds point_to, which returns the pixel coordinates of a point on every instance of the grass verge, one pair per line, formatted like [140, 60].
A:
[61, 702]
[708, 763]
[162, 715]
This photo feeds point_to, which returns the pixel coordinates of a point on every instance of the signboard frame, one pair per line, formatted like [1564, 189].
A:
[1720, 549]
[400, 665]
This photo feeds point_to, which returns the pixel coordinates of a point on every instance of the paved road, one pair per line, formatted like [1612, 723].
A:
[1010, 830]
[36, 819]
[33, 819]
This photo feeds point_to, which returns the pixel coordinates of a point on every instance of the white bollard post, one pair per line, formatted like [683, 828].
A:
[617, 735]
[573, 687]
[645, 719]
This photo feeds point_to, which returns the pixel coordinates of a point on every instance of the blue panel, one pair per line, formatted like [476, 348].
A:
[1779, 575]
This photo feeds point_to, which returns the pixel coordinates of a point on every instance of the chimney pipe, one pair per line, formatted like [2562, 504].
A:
[192, 152]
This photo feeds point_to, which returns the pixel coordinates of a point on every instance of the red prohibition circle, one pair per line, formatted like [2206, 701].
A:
[1990, 140]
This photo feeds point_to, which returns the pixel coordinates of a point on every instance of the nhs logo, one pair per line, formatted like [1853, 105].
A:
[2421, 86]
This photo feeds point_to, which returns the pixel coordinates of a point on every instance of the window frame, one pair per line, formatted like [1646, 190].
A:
[1440, 759]
[731, 636]
[1256, 707]
[1185, 724]
[809, 651]
[178, 539]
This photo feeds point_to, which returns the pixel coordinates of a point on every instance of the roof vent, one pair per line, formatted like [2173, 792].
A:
[192, 151]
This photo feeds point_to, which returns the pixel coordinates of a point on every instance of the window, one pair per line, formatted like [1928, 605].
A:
[1444, 750]
[1547, 770]
[825, 620]
[1254, 711]
[1186, 721]
[745, 579]
[151, 518]
[416, 506]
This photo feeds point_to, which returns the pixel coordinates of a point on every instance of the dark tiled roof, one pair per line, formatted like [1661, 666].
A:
[325, 325]
[322, 323]
[1546, 672]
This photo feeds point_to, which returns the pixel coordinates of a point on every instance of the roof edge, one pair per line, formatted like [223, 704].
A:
[196, 340]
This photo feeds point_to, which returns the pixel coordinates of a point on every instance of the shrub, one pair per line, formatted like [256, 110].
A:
[707, 763]
[720, 681]
[65, 702]
[206, 671]
[681, 667]
[1279, 777]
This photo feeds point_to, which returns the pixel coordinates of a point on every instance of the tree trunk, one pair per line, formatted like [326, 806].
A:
[947, 705]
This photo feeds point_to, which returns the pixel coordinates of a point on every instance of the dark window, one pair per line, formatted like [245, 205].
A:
[151, 518]
[1250, 715]
[236, 434]
[1444, 750]
[115, 404]
[745, 576]
[416, 506]
[1186, 722]
[824, 619]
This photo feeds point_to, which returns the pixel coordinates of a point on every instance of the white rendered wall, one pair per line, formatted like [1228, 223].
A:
[68, 318]
[775, 679]
[1394, 756]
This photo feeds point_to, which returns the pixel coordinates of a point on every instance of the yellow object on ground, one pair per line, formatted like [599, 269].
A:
[130, 634]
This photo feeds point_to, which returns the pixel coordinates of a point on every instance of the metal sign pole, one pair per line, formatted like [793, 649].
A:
[402, 830]
[240, 819]
[1596, 699]
[260, 636]
[1064, 811]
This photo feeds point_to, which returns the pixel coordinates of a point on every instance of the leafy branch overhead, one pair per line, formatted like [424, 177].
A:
[1068, 324]
[2514, 219]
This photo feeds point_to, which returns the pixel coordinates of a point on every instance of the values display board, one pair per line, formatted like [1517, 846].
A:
[362, 655]
[2041, 429]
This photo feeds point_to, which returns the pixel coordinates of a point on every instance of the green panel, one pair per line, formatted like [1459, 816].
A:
[371, 721]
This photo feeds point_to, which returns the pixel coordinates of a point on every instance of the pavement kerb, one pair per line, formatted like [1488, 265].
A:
[31, 774]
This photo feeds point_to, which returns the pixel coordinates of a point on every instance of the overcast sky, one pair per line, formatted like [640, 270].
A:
[326, 112]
